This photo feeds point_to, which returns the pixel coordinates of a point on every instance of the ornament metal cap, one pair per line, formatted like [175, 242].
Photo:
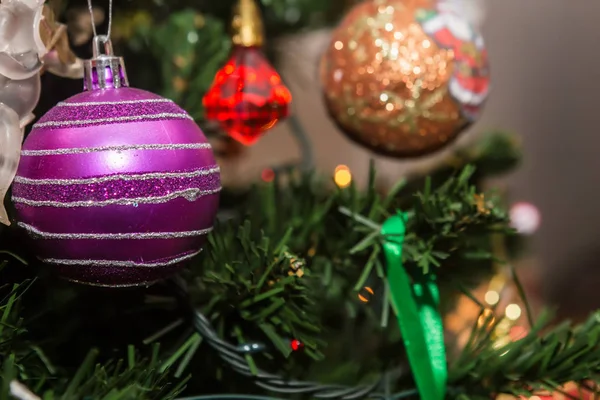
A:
[247, 26]
[104, 70]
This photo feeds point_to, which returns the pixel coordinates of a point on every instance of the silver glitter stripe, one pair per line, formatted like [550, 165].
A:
[126, 264]
[114, 236]
[127, 147]
[93, 103]
[121, 285]
[189, 194]
[122, 177]
[112, 119]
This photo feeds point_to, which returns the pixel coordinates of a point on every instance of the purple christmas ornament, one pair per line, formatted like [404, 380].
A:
[117, 186]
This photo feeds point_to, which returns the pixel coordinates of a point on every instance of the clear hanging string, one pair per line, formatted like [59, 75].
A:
[110, 12]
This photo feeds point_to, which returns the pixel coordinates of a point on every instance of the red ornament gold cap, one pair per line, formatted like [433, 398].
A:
[247, 26]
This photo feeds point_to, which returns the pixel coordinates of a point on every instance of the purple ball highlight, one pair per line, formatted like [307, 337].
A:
[117, 188]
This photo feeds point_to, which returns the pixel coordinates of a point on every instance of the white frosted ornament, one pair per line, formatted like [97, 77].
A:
[21, 96]
[11, 136]
[21, 47]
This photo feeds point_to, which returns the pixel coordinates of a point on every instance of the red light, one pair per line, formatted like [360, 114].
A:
[296, 344]
[267, 175]
[517, 333]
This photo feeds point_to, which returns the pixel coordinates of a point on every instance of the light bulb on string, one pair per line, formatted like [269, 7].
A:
[250, 348]
[296, 345]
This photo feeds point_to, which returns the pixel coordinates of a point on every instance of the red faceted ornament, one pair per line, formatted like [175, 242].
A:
[247, 97]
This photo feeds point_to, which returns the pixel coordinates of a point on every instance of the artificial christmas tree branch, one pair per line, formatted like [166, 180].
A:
[133, 378]
[293, 294]
[525, 367]
[446, 224]
[322, 236]
[258, 290]
[545, 359]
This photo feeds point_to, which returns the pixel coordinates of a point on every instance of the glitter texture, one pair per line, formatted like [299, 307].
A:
[111, 120]
[121, 177]
[118, 187]
[94, 110]
[115, 277]
[95, 103]
[400, 80]
[113, 236]
[83, 150]
[103, 205]
[63, 113]
[191, 195]
[125, 264]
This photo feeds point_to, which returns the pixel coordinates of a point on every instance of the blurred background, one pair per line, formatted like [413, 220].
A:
[546, 83]
[546, 80]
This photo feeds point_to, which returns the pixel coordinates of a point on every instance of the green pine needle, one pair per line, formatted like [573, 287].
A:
[288, 265]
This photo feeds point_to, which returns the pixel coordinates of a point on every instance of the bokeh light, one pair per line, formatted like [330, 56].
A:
[267, 175]
[525, 218]
[486, 319]
[513, 312]
[492, 297]
[517, 333]
[365, 294]
[342, 176]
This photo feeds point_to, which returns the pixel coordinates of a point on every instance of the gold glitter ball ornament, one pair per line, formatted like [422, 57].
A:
[404, 77]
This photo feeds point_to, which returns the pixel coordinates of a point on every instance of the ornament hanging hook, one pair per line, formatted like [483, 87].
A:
[104, 70]
[110, 12]
[102, 46]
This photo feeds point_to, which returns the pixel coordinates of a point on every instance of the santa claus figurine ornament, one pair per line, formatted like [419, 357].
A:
[405, 77]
